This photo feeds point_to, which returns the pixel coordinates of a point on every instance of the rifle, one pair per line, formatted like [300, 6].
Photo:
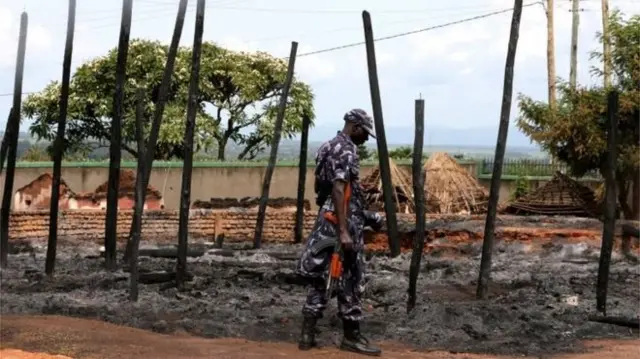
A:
[335, 267]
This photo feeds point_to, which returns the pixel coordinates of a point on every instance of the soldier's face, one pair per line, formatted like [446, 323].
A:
[359, 136]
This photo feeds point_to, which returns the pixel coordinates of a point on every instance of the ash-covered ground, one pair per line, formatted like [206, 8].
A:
[540, 300]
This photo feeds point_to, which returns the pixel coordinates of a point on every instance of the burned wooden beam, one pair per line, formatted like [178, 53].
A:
[381, 139]
[158, 113]
[13, 142]
[608, 228]
[58, 148]
[115, 146]
[187, 168]
[302, 179]
[418, 192]
[501, 143]
[266, 184]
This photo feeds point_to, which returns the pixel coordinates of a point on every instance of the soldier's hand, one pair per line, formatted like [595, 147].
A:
[346, 241]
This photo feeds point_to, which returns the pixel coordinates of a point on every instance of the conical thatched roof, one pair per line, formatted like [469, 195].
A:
[449, 188]
[560, 196]
[400, 180]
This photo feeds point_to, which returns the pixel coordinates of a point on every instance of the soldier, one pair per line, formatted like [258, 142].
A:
[337, 174]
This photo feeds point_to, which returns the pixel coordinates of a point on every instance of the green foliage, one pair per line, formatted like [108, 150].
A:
[364, 153]
[403, 152]
[35, 153]
[522, 188]
[238, 100]
[576, 132]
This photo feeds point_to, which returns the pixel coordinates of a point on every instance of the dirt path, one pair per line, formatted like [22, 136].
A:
[27, 337]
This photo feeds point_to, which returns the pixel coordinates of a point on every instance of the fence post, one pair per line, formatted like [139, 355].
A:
[192, 108]
[505, 112]
[5, 210]
[266, 184]
[115, 148]
[383, 152]
[58, 147]
[418, 192]
[140, 193]
[302, 179]
[608, 228]
[157, 115]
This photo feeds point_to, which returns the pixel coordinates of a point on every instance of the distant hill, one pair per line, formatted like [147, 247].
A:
[289, 149]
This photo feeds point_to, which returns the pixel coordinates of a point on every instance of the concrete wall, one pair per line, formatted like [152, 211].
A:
[210, 180]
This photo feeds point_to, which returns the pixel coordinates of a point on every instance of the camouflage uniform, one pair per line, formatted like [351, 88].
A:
[340, 163]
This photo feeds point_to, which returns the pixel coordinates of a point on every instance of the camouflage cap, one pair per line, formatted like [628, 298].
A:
[362, 118]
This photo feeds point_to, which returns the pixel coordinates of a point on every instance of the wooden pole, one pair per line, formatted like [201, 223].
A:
[13, 142]
[157, 116]
[266, 184]
[192, 109]
[418, 193]
[575, 23]
[302, 178]
[111, 220]
[551, 55]
[4, 146]
[501, 143]
[608, 228]
[139, 194]
[383, 152]
[58, 147]
[606, 44]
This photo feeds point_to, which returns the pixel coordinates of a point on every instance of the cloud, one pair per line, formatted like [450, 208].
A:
[309, 68]
[466, 71]
[38, 38]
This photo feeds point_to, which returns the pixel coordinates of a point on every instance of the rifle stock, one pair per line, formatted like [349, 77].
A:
[335, 266]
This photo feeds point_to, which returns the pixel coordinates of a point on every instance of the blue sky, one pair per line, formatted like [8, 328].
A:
[458, 70]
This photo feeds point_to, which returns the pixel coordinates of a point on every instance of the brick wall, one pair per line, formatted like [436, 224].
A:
[162, 225]
[89, 224]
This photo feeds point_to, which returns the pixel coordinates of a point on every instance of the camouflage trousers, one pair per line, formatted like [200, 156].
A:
[314, 265]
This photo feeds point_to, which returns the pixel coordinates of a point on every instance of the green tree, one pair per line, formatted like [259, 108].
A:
[238, 100]
[576, 133]
[364, 152]
[401, 153]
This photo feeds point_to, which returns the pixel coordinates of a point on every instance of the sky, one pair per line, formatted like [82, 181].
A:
[458, 70]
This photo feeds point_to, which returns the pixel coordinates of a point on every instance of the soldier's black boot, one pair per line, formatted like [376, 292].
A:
[354, 341]
[308, 336]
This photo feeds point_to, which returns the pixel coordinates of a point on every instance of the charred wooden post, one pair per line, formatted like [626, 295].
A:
[418, 193]
[5, 210]
[609, 226]
[192, 108]
[58, 148]
[302, 178]
[111, 219]
[163, 91]
[140, 193]
[4, 146]
[383, 152]
[266, 184]
[501, 143]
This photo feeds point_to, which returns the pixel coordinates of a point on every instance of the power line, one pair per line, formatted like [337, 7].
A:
[402, 34]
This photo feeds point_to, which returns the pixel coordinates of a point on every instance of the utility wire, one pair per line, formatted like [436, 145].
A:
[407, 33]
[402, 34]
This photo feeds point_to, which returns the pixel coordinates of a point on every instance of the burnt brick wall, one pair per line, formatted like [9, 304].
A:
[89, 224]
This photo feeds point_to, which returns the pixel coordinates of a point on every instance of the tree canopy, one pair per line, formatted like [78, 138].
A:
[576, 132]
[239, 94]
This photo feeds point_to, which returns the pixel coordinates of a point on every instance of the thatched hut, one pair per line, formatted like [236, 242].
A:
[401, 182]
[451, 189]
[562, 196]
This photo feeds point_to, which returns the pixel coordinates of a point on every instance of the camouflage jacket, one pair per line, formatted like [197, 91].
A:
[337, 159]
